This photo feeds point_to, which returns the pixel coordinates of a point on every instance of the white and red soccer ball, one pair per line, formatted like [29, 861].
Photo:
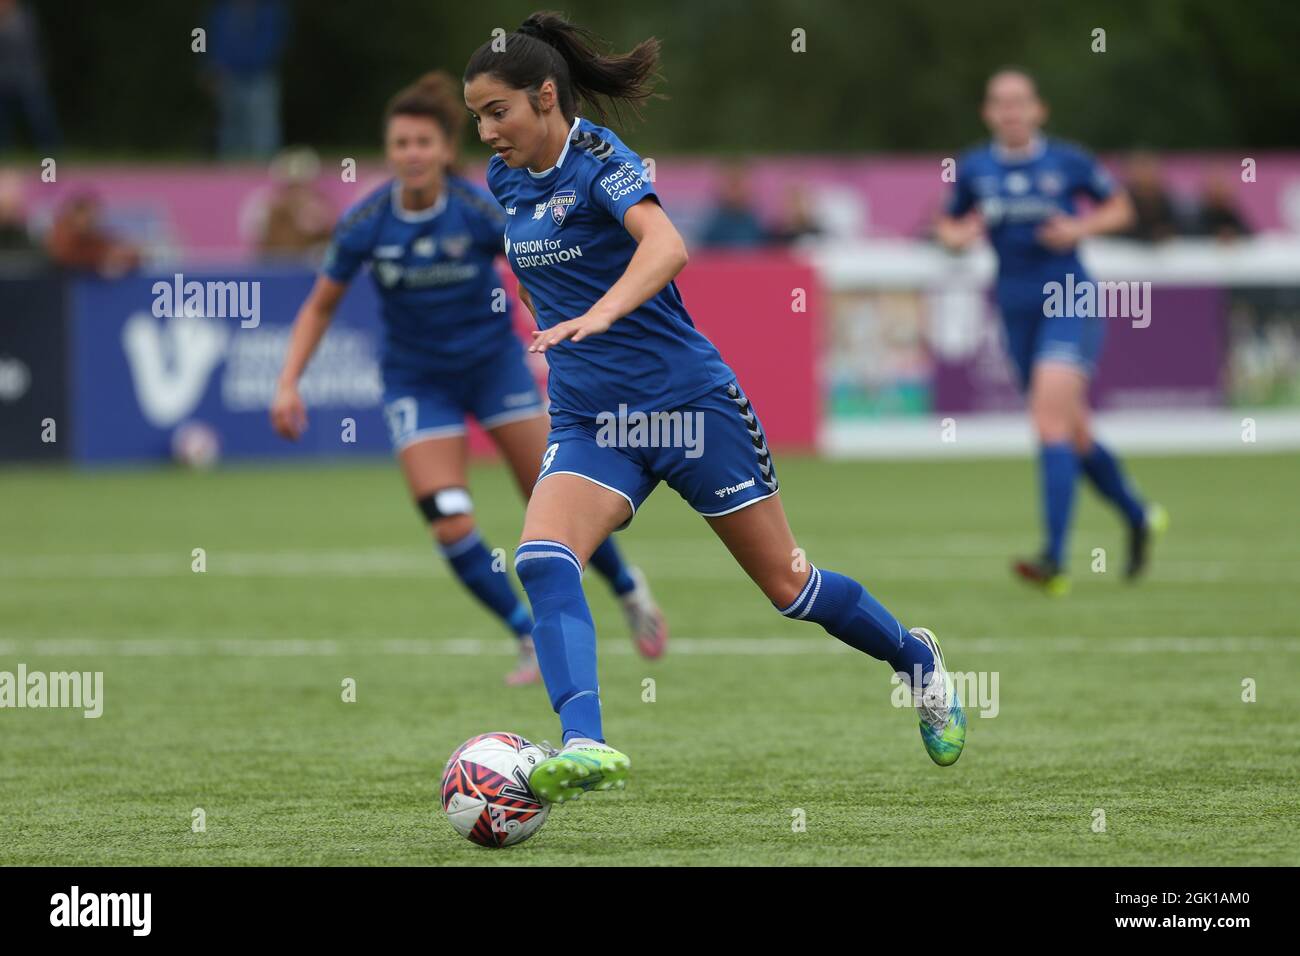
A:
[195, 445]
[485, 791]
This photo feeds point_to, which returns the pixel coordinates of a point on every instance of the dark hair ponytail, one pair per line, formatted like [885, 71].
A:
[546, 46]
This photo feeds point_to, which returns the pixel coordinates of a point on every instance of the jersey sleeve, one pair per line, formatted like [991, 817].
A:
[496, 180]
[619, 183]
[348, 250]
[487, 220]
[1090, 177]
[962, 198]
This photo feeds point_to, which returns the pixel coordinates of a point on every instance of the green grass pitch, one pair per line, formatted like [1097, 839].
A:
[223, 689]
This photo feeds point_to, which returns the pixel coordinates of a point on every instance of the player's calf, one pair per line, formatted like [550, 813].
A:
[563, 633]
[449, 511]
[847, 611]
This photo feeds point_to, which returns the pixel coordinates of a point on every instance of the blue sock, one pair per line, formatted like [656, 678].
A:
[1104, 471]
[563, 634]
[1059, 469]
[609, 563]
[472, 562]
[844, 608]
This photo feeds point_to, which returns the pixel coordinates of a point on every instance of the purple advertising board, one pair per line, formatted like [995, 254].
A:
[1176, 361]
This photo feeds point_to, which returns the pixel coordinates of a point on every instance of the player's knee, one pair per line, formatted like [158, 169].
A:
[784, 589]
[450, 530]
[450, 513]
[1052, 435]
[1052, 426]
[543, 566]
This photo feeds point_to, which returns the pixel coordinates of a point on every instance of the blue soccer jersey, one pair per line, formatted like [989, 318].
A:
[1016, 195]
[566, 242]
[434, 273]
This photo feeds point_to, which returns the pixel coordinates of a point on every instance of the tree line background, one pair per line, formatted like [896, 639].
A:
[892, 76]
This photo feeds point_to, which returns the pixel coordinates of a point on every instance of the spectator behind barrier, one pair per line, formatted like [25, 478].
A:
[1156, 215]
[16, 240]
[291, 219]
[733, 223]
[799, 221]
[1216, 212]
[79, 240]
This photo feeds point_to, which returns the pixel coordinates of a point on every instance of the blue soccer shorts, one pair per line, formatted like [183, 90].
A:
[1033, 337]
[421, 403]
[711, 451]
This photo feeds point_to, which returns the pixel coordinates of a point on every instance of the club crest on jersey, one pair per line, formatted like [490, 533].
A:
[560, 203]
[1017, 183]
[455, 246]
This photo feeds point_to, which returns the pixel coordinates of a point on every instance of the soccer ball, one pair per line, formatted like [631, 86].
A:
[196, 445]
[485, 791]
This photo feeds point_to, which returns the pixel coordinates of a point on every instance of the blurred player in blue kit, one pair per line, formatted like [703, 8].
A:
[596, 257]
[1020, 190]
[431, 239]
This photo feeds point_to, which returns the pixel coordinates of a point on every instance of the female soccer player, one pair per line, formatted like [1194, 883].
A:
[431, 239]
[1020, 189]
[596, 256]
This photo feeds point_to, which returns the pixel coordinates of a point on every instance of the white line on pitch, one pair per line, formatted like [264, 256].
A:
[659, 562]
[685, 646]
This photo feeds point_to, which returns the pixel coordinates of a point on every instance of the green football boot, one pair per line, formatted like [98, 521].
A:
[943, 721]
[1044, 573]
[581, 766]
